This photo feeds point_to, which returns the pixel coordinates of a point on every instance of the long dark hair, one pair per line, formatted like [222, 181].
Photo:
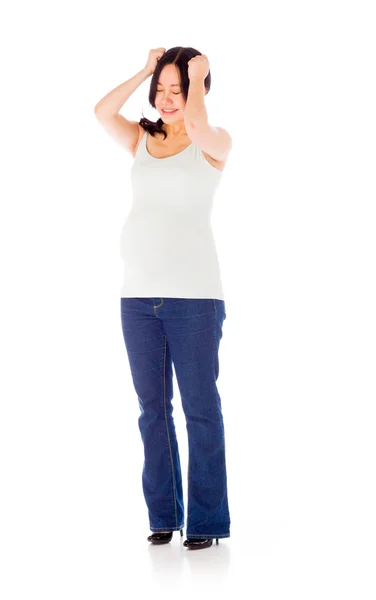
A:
[180, 57]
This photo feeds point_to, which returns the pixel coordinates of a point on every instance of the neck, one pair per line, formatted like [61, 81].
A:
[176, 129]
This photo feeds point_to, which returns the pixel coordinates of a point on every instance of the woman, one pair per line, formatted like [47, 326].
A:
[172, 300]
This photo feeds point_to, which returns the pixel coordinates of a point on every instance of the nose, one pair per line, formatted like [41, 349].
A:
[166, 96]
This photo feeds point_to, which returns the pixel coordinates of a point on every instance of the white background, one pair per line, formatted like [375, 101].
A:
[294, 222]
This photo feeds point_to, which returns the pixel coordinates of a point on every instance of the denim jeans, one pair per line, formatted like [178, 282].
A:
[186, 332]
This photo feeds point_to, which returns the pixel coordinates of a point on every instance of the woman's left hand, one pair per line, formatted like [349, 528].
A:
[198, 67]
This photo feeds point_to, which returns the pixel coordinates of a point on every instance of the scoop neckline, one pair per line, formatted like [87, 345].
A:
[164, 157]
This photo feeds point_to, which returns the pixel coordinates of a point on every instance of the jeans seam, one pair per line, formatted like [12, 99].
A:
[158, 306]
[168, 433]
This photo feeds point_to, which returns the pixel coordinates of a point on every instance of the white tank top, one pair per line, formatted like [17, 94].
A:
[167, 244]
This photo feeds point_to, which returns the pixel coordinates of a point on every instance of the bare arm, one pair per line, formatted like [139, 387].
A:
[123, 131]
[112, 102]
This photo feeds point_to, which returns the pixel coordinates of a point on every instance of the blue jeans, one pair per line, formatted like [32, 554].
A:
[187, 332]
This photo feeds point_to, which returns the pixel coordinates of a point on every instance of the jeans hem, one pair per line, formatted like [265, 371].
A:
[167, 528]
[208, 535]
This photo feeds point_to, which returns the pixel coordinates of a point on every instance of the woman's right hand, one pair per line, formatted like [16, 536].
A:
[154, 56]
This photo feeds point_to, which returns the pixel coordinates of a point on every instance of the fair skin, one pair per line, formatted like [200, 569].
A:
[169, 95]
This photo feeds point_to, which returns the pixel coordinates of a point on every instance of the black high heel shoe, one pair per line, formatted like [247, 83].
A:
[162, 538]
[196, 544]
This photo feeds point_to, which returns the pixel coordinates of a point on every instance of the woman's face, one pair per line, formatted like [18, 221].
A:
[169, 94]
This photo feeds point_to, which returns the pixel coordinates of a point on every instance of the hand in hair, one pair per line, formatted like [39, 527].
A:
[198, 67]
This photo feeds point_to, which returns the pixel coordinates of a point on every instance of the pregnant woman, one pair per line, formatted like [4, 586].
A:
[172, 300]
